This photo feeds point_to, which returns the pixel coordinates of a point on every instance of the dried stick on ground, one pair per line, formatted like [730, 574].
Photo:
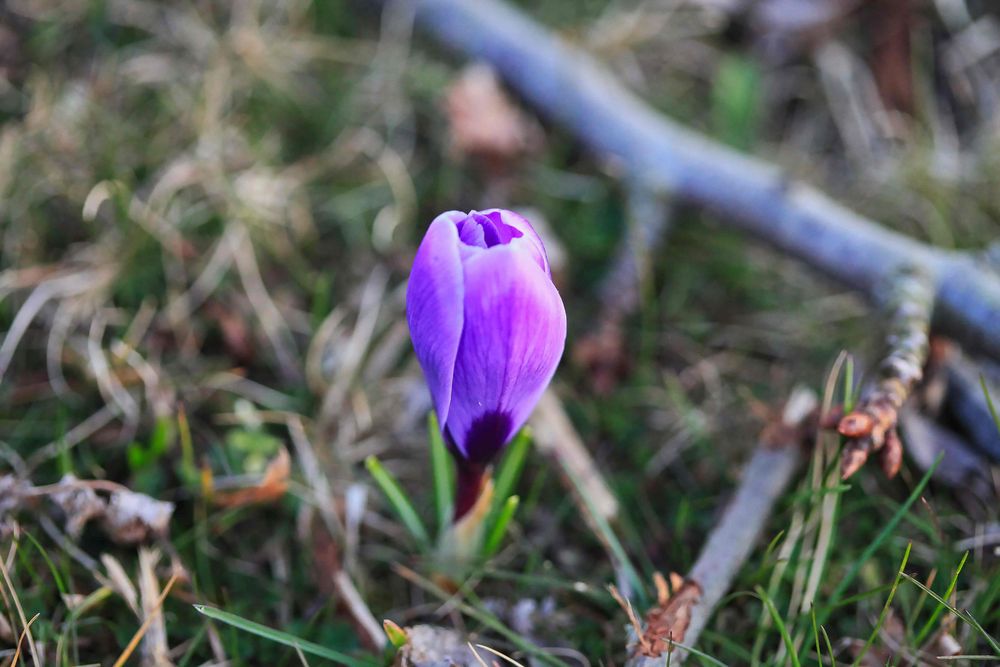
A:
[871, 426]
[556, 438]
[681, 617]
[748, 194]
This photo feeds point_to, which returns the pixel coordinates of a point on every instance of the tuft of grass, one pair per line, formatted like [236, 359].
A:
[929, 625]
[890, 526]
[964, 615]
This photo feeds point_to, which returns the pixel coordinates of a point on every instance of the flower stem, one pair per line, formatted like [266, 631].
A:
[469, 480]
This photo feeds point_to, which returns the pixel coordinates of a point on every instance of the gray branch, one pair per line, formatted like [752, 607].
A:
[747, 194]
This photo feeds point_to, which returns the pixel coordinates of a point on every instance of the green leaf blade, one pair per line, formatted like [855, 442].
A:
[499, 528]
[442, 472]
[282, 637]
[397, 498]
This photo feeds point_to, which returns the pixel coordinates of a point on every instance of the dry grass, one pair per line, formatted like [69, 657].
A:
[207, 212]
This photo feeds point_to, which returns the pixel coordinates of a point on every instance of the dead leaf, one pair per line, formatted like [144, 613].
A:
[135, 517]
[120, 583]
[668, 621]
[272, 486]
[127, 517]
[483, 122]
[79, 503]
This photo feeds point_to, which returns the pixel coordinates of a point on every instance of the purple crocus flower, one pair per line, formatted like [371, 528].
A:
[488, 327]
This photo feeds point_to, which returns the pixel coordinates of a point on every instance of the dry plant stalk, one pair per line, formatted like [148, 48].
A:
[871, 426]
[556, 438]
[680, 618]
[154, 650]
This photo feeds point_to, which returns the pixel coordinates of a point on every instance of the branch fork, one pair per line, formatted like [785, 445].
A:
[872, 426]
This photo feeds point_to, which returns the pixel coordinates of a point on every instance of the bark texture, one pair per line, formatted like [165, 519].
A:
[871, 426]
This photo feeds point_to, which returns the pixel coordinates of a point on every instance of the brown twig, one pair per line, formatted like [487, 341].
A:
[871, 426]
[151, 616]
[683, 617]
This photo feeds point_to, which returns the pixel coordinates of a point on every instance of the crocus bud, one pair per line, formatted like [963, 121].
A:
[488, 327]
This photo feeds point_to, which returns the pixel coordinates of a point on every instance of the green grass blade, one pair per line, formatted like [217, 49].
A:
[705, 658]
[829, 646]
[964, 615]
[48, 562]
[989, 401]
[819, 651]
[444, 474]
[282, 637]
[929, 625]
[849, 395]
[780, 624]
[397, 498]
[885, 607]
[499, 528]
[510, 469]
[866, 555]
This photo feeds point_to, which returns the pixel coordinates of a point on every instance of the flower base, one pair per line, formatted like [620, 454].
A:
[461, 545]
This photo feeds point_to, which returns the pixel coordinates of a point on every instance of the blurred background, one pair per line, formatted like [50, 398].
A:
[207, 214]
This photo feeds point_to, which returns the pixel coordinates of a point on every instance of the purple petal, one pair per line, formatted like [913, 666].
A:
[528, 236]
[513, 337]
[434, 305]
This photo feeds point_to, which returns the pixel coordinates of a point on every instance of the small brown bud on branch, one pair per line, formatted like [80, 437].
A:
[871, 426]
